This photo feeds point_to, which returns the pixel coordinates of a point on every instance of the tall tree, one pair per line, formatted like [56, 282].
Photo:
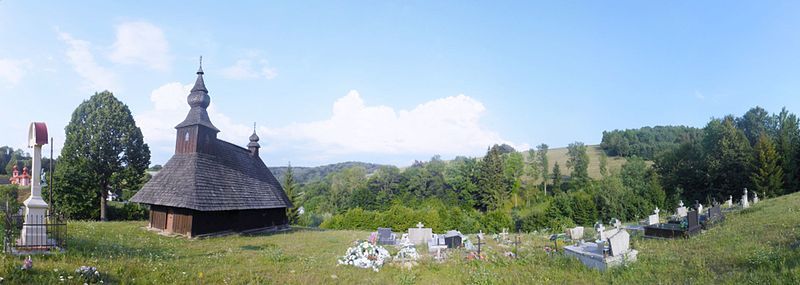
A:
[556, 176]
[103, 151]
[578, 163]
[292, 192]
[728, 155]
[491, 184]
[754, 123]
[767, 174]
[787, 141]
[541, 151]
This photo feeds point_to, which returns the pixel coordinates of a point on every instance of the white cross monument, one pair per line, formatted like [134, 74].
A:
[34, 231]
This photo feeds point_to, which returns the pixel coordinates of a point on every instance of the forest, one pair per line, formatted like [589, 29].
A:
[514, 189]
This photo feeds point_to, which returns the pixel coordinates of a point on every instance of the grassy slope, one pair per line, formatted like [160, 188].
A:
[758, 245]
[560, 155]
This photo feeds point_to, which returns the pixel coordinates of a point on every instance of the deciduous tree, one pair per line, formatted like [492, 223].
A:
[103, 151]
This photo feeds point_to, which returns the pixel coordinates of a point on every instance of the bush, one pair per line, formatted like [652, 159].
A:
[118, 211]
[495, 221]
[533, 221]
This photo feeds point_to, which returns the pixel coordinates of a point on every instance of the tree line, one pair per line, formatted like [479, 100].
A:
[506, 188]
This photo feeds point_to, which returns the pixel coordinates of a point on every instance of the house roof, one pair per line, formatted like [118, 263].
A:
[227, 179]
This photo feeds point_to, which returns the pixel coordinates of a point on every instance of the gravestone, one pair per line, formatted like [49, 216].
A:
[653, 219]
[697, 206]
[453, 239]
[385, 236]
[692, 220]
[575, 233]
[755, 197]
[600, 229]
[616, 223]
[681, 210]
[595, 255]
[745, 203]
[420, 234]
[730, 201]
[437, 243]
[619, 243]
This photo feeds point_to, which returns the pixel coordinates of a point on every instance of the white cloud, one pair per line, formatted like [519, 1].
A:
[12, 70]
[250, 68]
[446, 126]
[141, 43]
[80, 56]
[449, 125]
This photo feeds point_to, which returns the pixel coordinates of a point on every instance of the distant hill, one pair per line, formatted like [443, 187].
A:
[307, 174]
[594, 151]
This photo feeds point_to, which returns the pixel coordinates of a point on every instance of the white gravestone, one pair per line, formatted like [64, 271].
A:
[745, 203]
[681, 211]
[730, 201]
[755, 197]
[575, 233]
[420, 234]
[617, 224]
[619, 243]
[653, 219]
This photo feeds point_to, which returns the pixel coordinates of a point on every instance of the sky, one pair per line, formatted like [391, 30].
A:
[397, 81]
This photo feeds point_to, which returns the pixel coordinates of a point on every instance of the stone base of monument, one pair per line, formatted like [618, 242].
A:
[592, 256]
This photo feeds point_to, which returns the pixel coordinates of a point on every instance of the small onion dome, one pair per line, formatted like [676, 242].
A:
[253, 141]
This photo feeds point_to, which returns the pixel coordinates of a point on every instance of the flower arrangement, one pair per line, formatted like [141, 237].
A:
[365, 255]
[89, 274]
[407, 253]
[27, 264]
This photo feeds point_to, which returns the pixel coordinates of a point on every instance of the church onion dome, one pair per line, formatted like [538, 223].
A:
[199, 95]
[253, 140]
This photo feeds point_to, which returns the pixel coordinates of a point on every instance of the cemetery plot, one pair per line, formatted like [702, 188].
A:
[674, 229]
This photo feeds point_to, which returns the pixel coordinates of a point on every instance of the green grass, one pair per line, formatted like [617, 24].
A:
[594, 151]
[756, 246]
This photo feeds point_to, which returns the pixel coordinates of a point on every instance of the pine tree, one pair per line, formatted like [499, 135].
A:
[491, 183]
[290, 187]
[556, 176]
[767, 176]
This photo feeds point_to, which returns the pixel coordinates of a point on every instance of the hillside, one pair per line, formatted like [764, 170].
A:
[306, 174]
[594, 151]
[756, 246]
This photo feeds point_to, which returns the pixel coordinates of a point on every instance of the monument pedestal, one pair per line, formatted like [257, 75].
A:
[34, 230]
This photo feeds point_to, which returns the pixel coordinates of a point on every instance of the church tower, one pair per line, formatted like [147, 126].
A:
[196, 133]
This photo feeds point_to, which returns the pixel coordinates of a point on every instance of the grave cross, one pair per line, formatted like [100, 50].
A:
[420, 225]
[516, 246]
[479, 245]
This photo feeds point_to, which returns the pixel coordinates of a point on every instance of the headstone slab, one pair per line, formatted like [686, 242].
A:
[385, 236]
[575, 233]
[420, 235]
[652, 220]
[619, 243]
[681, 211]
[693, 219]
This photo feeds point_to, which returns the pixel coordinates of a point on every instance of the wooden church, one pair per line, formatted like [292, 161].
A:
[211, 186]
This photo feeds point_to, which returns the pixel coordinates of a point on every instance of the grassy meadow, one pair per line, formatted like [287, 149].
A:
[594, 151]
[755, 246]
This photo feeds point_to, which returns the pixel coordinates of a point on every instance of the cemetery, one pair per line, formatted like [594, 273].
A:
[399, 143]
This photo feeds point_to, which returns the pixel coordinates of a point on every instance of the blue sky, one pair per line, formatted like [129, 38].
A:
[395, 81]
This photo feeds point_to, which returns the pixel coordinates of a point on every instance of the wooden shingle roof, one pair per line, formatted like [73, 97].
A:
[227, 179]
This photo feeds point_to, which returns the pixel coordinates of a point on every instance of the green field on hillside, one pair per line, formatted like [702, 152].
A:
[758, 245]
[594, 151]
